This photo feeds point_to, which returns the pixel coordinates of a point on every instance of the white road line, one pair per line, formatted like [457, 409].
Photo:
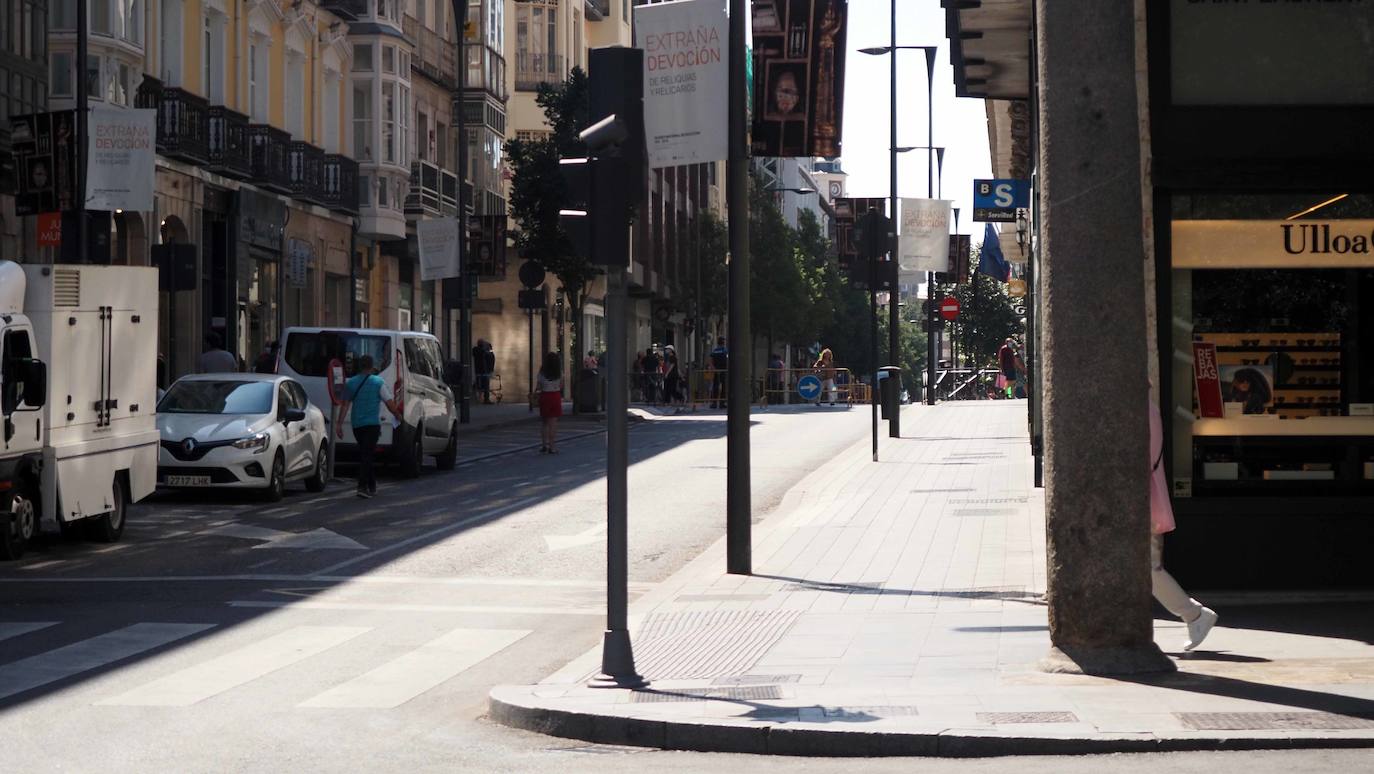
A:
[200, 682]
[402, 679]
[483, 515]
[61, 663]
[41, 565]
[10, 629]
[391, 607]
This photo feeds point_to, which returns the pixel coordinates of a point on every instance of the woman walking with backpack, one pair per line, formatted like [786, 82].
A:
[549, 384]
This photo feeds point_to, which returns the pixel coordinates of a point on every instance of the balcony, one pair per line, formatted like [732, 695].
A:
[229, 153]
[271, 150]
[434, 56]
[487, 71]
[305, 166]
[535, 67]
[183, 126]
[433, 191]
[349, 10]
[341, 184]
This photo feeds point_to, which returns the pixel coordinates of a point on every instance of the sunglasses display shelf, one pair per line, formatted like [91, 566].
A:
[1303, 369]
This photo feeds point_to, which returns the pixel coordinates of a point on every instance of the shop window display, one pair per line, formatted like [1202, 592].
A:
[1272, 379]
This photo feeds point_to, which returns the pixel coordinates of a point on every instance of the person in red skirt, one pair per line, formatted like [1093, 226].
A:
[549, 384]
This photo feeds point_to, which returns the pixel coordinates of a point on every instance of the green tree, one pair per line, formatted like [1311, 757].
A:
[537, 192]
[986, 316]
[713, 274]
[777, 290]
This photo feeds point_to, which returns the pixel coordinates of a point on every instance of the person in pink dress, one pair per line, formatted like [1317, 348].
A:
[1200, 619]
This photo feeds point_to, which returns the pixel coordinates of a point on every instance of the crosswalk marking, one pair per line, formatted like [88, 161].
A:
[10, 629]
[402, 679]
[64, 662]
[200, 682]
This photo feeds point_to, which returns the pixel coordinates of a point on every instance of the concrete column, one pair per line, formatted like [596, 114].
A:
[1096, 427]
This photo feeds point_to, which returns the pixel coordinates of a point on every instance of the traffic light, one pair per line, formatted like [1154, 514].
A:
[871, 239]
[934, 322]
[605, 188]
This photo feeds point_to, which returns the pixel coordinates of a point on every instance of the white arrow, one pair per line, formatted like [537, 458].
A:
[585, 537]
[315, 538]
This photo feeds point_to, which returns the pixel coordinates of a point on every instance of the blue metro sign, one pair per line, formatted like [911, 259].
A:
[998, 200]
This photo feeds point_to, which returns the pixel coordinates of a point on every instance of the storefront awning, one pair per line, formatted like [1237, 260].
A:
[990, 47]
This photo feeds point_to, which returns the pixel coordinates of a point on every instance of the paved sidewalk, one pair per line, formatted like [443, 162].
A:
[897, 608]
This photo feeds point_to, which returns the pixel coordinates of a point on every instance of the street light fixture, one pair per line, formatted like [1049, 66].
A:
[894, 426]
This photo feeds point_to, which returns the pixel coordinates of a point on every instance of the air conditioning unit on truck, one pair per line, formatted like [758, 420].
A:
[79, 443]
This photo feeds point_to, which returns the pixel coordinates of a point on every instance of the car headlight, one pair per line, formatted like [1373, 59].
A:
[257, 443]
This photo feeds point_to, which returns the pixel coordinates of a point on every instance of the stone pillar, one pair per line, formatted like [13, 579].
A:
[1094, 360]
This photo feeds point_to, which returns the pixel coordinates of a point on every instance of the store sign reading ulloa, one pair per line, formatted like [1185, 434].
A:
[1300, 238]
[1254, 244]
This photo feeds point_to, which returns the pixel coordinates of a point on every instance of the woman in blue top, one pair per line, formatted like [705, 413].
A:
[365, 393]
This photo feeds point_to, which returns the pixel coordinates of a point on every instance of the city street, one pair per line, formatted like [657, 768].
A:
[338, 633]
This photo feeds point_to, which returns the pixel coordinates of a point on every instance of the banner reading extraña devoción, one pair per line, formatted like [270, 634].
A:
[686, 58]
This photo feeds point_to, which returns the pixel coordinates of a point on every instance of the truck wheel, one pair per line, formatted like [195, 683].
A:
[449, 458]
[20, 523]
[320, 477]
[411, 465]
[276, 486]
[107, 527]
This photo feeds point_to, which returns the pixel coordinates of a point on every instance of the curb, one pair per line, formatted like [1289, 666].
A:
[507, 709]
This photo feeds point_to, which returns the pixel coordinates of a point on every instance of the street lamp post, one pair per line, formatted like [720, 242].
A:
[894, 426]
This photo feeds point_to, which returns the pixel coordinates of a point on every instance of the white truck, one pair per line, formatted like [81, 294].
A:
[78, 358]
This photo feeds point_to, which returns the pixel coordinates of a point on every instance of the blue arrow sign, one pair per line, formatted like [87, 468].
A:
[809, 387]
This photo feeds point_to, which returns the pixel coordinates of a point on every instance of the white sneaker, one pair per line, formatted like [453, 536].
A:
[1199, 627]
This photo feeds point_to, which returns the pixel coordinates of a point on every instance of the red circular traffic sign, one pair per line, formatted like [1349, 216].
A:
[949, 308]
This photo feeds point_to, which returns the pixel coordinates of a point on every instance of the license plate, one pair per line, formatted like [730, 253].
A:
[188, 481]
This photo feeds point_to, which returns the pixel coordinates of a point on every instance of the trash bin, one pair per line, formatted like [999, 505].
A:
[890, 390]
[589, 391]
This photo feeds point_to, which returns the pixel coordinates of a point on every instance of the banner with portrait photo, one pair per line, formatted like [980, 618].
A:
[798, 88]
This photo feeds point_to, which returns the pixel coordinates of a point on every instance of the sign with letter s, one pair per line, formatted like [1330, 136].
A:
[997, 200]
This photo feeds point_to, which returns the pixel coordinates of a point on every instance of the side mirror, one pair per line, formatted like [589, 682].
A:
[293, 415]
[35, 376]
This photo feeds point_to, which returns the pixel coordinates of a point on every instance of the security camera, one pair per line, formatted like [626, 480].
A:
[604, 135]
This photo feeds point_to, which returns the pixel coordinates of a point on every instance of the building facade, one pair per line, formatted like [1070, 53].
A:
[24, 82]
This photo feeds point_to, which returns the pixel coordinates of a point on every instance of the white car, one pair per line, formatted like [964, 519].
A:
[243, 431]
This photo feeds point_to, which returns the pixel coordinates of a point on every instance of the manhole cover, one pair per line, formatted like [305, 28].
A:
[756, 679]
[998, 718]
[1273, 721]
[741, 693]
[706, 644]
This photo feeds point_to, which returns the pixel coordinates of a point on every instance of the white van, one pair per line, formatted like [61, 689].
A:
[411, 362]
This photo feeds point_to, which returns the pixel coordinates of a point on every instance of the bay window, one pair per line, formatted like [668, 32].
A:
[60, 74]
[362, 120]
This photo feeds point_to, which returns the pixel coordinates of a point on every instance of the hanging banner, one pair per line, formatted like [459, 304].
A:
[44, 148]
[686, 81]
[1207, 379]
[438, 238]
[798, 78]
[924, 242]
[121, 158]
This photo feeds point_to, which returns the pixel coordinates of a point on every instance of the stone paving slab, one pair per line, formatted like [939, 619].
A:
[898, 608]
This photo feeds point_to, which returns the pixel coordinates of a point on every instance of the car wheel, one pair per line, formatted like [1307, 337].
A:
[108, 526]
[18, 522]
[320, 478]
[449, 459]
[276, 486]
[410, 467]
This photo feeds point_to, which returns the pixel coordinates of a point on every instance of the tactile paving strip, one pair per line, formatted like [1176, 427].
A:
[709, 643]
[1273, 721]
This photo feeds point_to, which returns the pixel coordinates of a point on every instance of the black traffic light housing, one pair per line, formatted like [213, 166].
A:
[934, 322]
[871, 234]
[606, 188]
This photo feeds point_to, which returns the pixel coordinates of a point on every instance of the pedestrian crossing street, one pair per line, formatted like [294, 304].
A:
[214, 671]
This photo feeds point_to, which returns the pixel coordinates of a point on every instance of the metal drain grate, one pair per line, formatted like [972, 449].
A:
[1274, 721]
[871, 711]
[741, 693]
[991, 501]
[1000, 718]
[721, 597]
[756, 679]
[706, 644]
[983, 512]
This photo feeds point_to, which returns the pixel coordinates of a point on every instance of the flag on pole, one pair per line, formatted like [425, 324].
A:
[990, 259]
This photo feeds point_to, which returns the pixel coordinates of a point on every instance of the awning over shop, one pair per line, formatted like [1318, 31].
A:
[990, 47]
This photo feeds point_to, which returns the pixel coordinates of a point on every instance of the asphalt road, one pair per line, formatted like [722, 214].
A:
[332, 633]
